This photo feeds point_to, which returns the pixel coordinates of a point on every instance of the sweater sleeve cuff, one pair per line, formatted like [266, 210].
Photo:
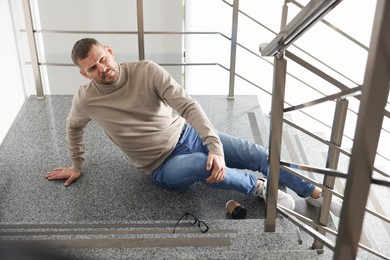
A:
[77, 165]
[215, 149]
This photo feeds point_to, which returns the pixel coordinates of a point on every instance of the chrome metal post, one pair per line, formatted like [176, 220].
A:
[275, 141]
[233, 49]
[141, 33]
[336, 138]
[33, 48]
[283, 22]
[369, 123]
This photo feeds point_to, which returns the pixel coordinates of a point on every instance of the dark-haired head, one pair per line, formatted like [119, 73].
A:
[81, 49]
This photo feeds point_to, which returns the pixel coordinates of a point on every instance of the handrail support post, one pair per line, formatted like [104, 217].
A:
[279, 85]
[233, 49]
[33, 49]
[368, 129]
[336, 138]
[141, 33]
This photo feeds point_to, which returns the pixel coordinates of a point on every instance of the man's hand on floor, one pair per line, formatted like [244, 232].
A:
[62, 174]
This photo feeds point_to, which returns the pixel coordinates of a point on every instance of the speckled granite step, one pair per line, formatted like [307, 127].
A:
[112, 195]
[196, 253]
[244, 239]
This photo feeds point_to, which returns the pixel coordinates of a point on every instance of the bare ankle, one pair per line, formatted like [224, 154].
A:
[316, 193]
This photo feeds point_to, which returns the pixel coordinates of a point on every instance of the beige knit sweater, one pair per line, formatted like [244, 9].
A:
[136, 114]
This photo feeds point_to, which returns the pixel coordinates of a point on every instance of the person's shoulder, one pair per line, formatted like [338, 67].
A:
[84, 91]
[137, 63]
[142, 65]
[131, 65]
[146, 63]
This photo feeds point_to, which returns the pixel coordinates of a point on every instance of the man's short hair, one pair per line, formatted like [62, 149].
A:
[81, 49]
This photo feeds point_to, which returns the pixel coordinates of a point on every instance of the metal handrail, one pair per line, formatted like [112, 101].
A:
[387, 113]
[303, 223]
[300, 49]
[288, 166]
[162, 64]
[335, 28]
[316, 137]
[292, 216]
[309, 168]
[304, 20]
[315, 70]
[119, 32]
[321, 74]
[326, 142]
[342, 94]
[308, 179]
[380, 182]
[277, 48]
[288, 213]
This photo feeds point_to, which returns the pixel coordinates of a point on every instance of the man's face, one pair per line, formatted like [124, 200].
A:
[100, 65]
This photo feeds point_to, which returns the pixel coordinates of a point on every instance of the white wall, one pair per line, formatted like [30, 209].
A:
[12, 94]
[102, 15]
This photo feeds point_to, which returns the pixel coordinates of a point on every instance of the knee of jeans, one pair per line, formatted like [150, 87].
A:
[193, 167]
[188, 168]
[197, 166]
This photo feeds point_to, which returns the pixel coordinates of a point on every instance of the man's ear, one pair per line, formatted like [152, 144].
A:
[84, 74]
[109, 49]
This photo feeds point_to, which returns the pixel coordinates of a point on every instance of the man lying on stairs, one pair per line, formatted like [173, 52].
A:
[133, 103]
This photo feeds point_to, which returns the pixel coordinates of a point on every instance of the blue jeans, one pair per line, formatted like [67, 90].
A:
[186, 165]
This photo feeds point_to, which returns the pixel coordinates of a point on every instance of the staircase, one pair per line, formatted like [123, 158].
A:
[114, 212]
